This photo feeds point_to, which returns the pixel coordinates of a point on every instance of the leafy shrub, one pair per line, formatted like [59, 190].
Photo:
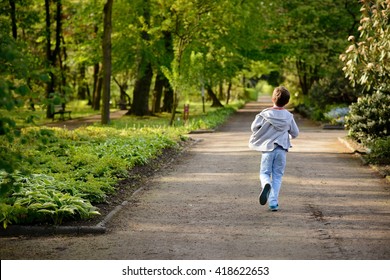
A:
[39, 200]
[333, 90]
[379, 151]
[309, 110]
[213, 119]
[12, 213]
[369, 118]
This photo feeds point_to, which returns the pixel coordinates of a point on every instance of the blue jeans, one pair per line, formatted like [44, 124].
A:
[271, 172]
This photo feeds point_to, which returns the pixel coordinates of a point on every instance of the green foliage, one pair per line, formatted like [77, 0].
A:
[11, 88]
[18, 73]
[212, 120]
[228, 35]
[367, 59]
[38, 199]
[304, 32]
[11, 213]
[367, 63]
[63, 172]
[334, 89]
[379, 151]
[369, 118]
[13, 71]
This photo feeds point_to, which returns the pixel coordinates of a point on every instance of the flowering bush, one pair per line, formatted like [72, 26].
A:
[337, 115]
[366, 60]
[369, 118]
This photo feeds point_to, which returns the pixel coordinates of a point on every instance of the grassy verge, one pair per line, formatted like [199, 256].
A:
[58, 175]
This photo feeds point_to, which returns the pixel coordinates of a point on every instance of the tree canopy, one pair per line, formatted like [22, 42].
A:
[52, 50]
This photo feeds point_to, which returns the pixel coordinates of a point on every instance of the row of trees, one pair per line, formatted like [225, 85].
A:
[157, 51]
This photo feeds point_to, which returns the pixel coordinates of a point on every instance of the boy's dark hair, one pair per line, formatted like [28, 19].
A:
[281, 96]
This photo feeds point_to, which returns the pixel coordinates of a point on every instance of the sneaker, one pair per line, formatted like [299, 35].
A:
[274, 208]
[264, 194]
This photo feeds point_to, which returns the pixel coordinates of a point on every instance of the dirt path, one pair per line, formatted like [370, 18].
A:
[207, 207]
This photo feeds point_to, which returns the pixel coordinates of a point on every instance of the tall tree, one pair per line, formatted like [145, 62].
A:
[164, 55]
[52, 55]
[107, 61]
[185, 20]
[145, 70]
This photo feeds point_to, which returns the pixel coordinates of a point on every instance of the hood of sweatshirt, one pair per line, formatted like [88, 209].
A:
[279, 119]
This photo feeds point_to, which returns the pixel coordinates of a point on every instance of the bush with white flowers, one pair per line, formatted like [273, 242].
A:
[369, 118]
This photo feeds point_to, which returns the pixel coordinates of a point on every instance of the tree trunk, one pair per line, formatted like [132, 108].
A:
[141, 91]
[168, 96]
[307, 76]
[216, 102]
[62, 57]
[88, 94]
[140, 106]
[168, 91]
[179, 55]
[52, 55]
[82, 85]
[98, 94]
[50, 83]
[96, 67]
[107, 61]
[157, 92]
[228, 92]
[124, 98]
[60, 52]
[95, 85]
[175, 103]
[220, 90]
[57, 49]
[13, 19]
[302, 75]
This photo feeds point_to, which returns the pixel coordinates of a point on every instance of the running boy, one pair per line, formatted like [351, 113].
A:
[271, 132]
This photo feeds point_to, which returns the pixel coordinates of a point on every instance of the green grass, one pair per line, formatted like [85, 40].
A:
[54, 174]
[25, 117]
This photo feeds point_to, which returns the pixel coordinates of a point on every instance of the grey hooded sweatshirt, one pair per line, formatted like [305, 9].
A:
[272, 127]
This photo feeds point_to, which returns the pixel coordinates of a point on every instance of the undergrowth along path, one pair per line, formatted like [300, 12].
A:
[206, 206]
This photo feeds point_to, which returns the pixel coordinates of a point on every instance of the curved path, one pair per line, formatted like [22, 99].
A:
[206, 207]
